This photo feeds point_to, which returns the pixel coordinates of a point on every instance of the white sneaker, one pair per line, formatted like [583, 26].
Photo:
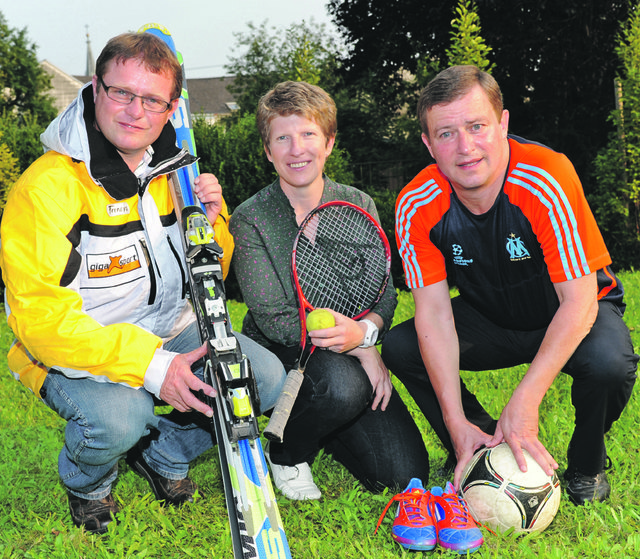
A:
[295, 482]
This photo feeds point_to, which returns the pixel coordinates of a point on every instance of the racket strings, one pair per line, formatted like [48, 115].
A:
[341, 261]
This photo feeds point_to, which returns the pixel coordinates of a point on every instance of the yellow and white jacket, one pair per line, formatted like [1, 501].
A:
[92, 259]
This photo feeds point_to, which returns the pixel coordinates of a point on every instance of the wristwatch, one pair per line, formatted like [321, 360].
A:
[371, 336]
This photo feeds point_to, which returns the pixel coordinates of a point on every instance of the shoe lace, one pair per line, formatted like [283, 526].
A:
[455, 511]
[413, 502]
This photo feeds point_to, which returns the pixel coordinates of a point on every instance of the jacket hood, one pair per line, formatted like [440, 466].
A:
[73, 133]
[66, 134]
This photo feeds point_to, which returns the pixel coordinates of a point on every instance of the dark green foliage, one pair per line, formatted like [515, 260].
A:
[616, 197]
[22, 137]
[302, 52]
[24, 103]
[232, 150]
[9, 172]
[380, 106]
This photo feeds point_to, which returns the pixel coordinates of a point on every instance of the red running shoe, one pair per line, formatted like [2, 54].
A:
[457, 530]
[413, 526]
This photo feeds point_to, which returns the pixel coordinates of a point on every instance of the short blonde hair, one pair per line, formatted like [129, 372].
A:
[299, 98]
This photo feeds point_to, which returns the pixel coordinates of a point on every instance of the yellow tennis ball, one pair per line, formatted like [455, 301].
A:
[319, 319]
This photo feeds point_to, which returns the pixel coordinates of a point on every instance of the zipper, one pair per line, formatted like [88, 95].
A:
[152, 274]
[182, 271]
[181, 159]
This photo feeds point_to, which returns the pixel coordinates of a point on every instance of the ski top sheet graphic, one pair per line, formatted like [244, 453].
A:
[254, 517]
[181, 119]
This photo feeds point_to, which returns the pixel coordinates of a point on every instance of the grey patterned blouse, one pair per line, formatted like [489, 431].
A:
[264, 228]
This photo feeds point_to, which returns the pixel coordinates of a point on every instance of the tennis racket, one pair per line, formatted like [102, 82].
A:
[341, 261]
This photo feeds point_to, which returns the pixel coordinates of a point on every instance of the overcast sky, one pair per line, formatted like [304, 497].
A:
[202, 29]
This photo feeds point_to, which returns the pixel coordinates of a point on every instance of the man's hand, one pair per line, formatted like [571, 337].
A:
[518, 426]
[209, 192]
[467, 439]
[180, 381]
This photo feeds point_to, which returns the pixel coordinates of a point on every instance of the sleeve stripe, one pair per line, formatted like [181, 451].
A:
[604, 290]
[546, 188]
[406, 208]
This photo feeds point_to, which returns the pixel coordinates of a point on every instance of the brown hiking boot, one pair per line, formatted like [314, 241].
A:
[94, 515]
[172, 492]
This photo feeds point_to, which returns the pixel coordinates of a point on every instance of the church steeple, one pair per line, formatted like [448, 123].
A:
[91, 65]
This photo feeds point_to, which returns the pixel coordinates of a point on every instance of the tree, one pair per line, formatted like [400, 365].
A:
[9, 172]
[379, 125]
[554, 60]
[22, 137]
[232, 150]
[23, 82]
[467, 45]
[303, 52]
[616, 200]
[25, 107]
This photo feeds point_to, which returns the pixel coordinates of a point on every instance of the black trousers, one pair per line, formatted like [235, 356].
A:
[602, 368]
[333, 411]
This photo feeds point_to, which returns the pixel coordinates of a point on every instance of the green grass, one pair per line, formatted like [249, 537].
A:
[35, 522]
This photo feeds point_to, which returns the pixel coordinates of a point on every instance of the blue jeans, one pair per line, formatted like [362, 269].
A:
[106, 420]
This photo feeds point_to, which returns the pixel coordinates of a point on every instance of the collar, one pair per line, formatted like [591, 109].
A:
[144, 167]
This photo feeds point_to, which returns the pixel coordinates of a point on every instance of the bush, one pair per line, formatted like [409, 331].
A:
[232, 150]
[9, 172]
[22, 137]
[616, 198]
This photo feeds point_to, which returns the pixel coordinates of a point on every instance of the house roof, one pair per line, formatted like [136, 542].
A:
[210, 96]
[64, 87]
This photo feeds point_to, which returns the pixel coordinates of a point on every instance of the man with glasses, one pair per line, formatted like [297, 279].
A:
[92, 260]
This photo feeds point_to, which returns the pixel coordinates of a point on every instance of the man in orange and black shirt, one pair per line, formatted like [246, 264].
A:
[506, 222]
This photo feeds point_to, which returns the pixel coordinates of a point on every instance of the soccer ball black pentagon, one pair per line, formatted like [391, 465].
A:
[502, 497]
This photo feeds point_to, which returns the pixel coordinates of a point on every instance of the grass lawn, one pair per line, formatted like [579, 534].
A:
[35, 521]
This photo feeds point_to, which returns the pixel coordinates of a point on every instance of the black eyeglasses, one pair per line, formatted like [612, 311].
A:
[125, 97]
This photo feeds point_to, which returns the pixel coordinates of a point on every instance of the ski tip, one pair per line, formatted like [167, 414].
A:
[155, 26]
[160, 31]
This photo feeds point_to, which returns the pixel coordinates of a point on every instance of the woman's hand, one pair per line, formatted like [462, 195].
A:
[378, 374]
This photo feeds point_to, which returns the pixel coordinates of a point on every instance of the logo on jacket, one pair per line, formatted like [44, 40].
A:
[516, 249]
[458, 258]
[109, 265]
[118, 209]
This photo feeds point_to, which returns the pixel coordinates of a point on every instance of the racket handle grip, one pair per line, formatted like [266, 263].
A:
[282, 410]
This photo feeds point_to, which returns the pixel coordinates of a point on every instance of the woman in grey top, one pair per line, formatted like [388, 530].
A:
[347, 403]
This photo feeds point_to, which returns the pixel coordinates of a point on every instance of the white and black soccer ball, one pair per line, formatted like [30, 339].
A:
[501, 496]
